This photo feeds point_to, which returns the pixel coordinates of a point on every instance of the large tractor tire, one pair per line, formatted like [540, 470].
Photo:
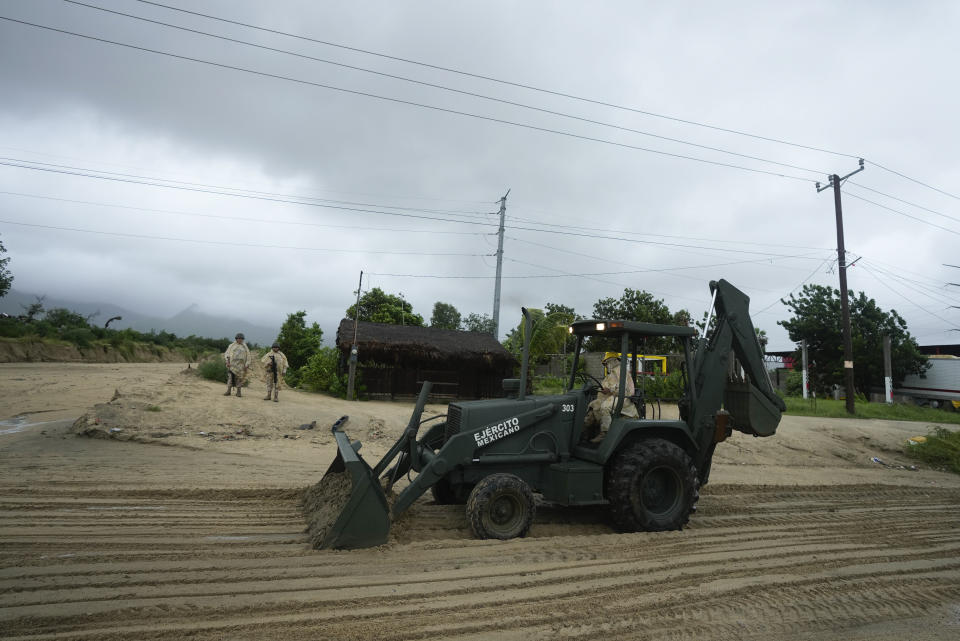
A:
[501, 507]
[652, 485]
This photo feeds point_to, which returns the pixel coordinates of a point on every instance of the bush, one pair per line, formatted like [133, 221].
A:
[548, 385]
[79, 336]
[664, 387]
[12, 328]
[320, 374]
[942, 449]
[213, 370]
[794, 383]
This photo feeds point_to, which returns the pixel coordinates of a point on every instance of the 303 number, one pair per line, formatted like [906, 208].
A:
[567, 407]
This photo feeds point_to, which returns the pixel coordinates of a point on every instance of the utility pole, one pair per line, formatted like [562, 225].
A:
[806, 376]
[496, 287]
[835, 181]
[351, 377]
[887, 371]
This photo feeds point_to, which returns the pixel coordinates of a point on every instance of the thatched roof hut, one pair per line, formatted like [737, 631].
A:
[396, 359]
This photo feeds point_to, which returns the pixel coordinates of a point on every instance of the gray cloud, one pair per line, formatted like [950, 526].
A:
[870, 79]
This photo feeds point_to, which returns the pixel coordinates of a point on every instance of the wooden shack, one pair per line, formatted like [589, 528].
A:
[394, 360]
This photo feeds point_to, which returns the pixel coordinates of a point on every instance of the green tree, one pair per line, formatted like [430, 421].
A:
[564, 314]
[376, 306]
[478, 323]
[640, 306]
[297, 341]
[445, 316]
[817, 319]
[6, 278]
[548, 333]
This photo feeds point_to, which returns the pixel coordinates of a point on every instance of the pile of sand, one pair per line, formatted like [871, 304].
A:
[323, 503]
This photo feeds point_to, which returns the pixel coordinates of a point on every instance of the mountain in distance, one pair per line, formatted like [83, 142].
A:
[187, 322]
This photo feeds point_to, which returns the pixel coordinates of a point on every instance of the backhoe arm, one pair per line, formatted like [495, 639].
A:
[753, 404]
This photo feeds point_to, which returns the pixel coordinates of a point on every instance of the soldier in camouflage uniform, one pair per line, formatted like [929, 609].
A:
[600, 410]
[274, 365]
[237, 357]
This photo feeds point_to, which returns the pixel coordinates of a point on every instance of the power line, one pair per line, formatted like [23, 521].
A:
[653, 242]
[905, 202]
[239, 195]
[500, 81]
[240, 218]
[920, 307]
[897, 211]
[914, 180]
[388, 213]
[623, 231]
[405, 197]
[801, 284]
[412, 103]
[655, 269]
[234, 244]
[936, 294]
[239, 191]
[446, 88]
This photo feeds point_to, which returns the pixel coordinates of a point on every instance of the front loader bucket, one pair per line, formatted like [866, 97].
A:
[347, 508]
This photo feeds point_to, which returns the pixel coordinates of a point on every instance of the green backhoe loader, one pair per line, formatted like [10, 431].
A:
[494, 455]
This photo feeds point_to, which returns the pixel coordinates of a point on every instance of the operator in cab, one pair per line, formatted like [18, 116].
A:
[599, 415]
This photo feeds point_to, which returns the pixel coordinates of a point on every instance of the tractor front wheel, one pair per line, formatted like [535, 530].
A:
[652, 485]
[501, 506]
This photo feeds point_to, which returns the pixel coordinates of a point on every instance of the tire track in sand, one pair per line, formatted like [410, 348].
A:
[756, 562]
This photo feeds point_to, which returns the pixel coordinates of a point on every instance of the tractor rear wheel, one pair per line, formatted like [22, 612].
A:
[501, 507]
[652, 485]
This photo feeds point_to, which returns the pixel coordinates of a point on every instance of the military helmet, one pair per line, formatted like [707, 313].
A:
[240, 335]
[275, 344]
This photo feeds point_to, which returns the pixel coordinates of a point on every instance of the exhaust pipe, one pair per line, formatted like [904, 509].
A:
[524, 365]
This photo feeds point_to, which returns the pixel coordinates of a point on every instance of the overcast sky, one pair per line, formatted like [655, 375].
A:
[376, 136]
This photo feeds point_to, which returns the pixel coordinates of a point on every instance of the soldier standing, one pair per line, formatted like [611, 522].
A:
[274, 365]
[237, 357]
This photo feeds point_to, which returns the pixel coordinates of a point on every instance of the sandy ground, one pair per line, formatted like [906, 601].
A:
[184, 522]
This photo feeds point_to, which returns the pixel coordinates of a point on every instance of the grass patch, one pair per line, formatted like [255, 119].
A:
[941, 449]
[830, 408]
[152, 408]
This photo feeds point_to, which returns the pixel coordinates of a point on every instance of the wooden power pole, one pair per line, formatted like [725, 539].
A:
[835, 181]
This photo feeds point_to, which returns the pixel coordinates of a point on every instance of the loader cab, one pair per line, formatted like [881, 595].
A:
[618, 337]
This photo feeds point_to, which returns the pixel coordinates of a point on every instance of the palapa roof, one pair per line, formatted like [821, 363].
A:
[376, 339]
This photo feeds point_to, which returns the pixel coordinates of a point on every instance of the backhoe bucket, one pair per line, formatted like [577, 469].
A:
[347, 508]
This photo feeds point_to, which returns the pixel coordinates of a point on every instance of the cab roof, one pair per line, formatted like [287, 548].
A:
[605, 327]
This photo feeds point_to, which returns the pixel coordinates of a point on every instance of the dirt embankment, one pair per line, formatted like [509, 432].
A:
[17, 351]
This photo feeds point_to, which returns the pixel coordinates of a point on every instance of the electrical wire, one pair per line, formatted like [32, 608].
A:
[623, 231]
[920, 307]
[412, 103]
[101, 162]
[905, 202]
[914, 180]
[234, 244]
[652, 242]
[386, 213]
[241, 218]
[664, 269]
[449, 89]
[500, 81]
[238, 191]
[896, 211]
[241, 195]
[935, 294]
[801, 284]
